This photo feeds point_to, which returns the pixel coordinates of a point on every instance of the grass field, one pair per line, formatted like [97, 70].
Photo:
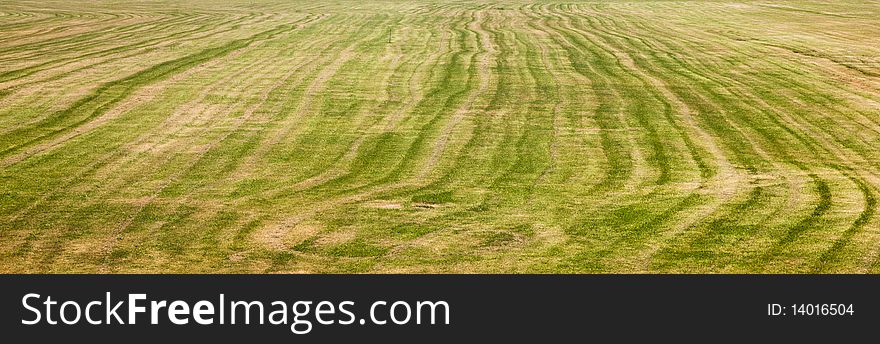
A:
[444, 136]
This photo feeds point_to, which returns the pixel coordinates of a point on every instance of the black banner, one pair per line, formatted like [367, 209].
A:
[437, 308]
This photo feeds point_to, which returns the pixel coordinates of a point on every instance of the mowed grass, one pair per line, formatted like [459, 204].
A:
[446, 136]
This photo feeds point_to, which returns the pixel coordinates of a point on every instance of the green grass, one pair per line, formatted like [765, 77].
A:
[383, 136]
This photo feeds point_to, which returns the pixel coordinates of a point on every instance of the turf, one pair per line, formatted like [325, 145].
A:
[434, 137]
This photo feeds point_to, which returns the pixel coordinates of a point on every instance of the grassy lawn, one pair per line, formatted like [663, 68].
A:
[439, 137]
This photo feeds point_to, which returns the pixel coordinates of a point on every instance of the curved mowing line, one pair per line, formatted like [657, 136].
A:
[444, 98]
[530, 165]
[635, 62]
[813, 145]
[807, 144]
[809, 222]
[169, 239]
[496, 57]
[67, 236]
[706, 171]
[102, 99]
[86, 39]
[31, 69]
[222, 142]
[821, 209]
[638, 108]
[830, 256]
[48, 65]
[808, 141]
[658, 155]
[354, 161]
[618, 157]
[94, 167]
[119, 153]
[626, 137]
[481, 121]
